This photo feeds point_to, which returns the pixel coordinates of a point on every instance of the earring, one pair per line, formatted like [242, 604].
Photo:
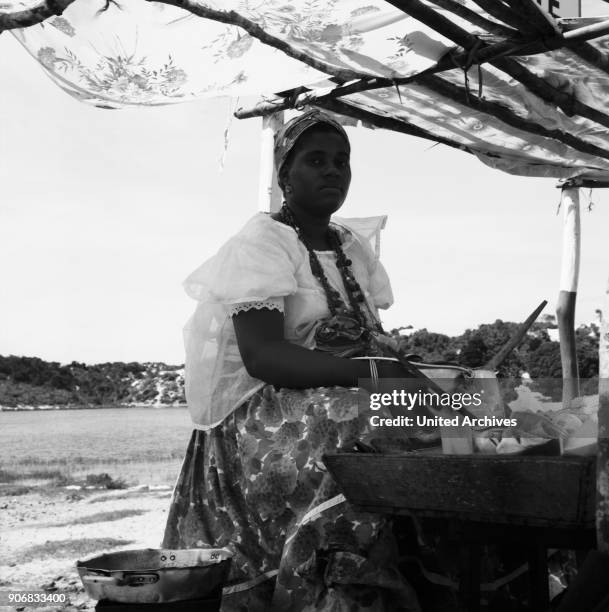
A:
[288, 188]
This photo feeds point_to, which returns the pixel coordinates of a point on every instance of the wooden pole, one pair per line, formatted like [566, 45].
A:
[515, 340]
[602, 467]
[565, 310]
[269, 194]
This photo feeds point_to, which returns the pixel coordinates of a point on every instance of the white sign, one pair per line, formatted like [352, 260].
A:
[561, 8]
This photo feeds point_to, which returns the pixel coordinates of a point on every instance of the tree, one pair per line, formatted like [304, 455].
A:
[478, 346]
[429, 346]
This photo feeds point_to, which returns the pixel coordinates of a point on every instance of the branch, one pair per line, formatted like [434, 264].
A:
[234, 18]
[500, 11]
[296, 98]
[536, 85]
[476, 19]
[458, 94]
[387, 123]
[596, 30]
[34, 15]
[539, 18]
[584, 50]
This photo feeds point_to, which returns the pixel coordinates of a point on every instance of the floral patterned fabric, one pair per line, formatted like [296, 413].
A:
[147, 53]
[127, 53]
[257, 485]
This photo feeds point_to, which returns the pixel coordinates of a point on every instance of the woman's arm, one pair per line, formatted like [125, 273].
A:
[269, 357]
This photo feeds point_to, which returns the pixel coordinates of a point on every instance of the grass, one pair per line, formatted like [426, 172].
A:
[14, 490]
[101, 517]
[70, 548]
[7, 476]
[14, 483]
[109, 476]
[78, 460]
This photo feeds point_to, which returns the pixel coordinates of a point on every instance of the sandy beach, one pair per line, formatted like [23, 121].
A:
[43, 533]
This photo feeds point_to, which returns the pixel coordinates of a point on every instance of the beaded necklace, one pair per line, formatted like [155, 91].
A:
[336, 305]
[371, 332]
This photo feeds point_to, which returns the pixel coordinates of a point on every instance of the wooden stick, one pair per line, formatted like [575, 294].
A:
[34, 15]
[503, 113]
[595, 30]
[500, 11]
[602, 465]
[267, 107]
[535, 15]
[564, 100]
[519, 26]
[592, 55]
[585, 51]
[585, 182]
[515, 340]
[387, 123]
[436, 22]
[476, 19]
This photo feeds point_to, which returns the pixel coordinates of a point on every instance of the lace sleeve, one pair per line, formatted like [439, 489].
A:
[270, 304]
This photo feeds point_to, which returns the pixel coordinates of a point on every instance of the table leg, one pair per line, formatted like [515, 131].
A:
[469, 580]
[539, 592]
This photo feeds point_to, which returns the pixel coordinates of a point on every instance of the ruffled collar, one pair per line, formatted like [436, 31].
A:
[339, 225]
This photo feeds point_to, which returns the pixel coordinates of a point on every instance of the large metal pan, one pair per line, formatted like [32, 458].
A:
[154, 575]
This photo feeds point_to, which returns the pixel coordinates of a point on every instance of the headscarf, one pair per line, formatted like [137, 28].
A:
[288, 135]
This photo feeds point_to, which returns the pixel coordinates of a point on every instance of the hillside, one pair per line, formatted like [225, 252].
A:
[30, 382]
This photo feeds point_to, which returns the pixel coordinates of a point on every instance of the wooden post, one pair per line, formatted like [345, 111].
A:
[602, 466]
[269, 194]
[565, 309]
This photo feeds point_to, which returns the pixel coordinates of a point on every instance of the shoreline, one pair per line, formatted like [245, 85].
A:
[22, 408]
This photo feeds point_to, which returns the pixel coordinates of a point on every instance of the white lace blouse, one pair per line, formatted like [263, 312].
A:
[266, 266]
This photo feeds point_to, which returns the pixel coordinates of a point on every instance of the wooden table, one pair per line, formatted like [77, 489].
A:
[535, 502]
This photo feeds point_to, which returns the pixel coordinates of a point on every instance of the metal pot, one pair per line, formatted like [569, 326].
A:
[154, 575]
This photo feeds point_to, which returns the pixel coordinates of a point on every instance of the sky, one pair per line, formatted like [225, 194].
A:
[103, 213]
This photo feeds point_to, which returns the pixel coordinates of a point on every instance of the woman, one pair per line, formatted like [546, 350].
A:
[283, 307]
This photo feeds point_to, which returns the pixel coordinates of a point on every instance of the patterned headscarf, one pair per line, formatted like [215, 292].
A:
[287, 136]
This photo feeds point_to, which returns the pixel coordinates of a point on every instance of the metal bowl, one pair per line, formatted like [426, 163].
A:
[153, 575]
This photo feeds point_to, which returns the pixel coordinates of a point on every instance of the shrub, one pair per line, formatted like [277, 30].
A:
[105, 481]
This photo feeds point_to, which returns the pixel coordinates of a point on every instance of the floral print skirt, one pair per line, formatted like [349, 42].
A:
[256, 484]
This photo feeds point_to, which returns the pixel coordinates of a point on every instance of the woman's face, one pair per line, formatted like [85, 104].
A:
[318, 177]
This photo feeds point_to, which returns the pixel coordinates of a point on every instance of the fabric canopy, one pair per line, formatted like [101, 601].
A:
[147, 53]
[542, 114]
